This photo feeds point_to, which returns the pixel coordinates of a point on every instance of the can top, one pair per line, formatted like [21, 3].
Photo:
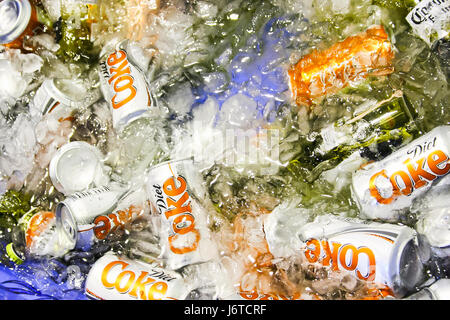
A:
[66, 226]
[14, 18]
[75, 167]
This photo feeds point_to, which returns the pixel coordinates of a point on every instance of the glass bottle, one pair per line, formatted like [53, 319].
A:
[375, 131]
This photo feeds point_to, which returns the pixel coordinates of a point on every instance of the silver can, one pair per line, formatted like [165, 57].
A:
[123, 84]
[118, 278]
[386, 189]
[173, 189]
[62, 96]
[76, 213]
[77, 166]
[439, 290]
[16, 16]
[387, 254]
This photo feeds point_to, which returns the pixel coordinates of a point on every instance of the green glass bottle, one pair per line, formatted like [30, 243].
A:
[13, 206]
[375, 130]
[73, 31]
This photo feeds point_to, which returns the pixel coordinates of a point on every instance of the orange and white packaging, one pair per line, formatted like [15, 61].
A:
[184, 237]
[384, 189]
[118, 278]
[123, 83]
[352, 60]
[386, 254]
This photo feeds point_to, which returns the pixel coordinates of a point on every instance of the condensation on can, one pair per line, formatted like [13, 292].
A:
[385, 189]
[185, 238]
[76, 213]
[123, 83]
[388, 254]
[145, 281]
[50, 99]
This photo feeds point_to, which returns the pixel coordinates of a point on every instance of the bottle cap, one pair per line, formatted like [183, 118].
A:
[12, 254]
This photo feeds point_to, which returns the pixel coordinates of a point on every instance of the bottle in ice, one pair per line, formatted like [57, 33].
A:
[356, 58]
[430, 20]
[376, 129]
[73, 30]
[13, 205]
[33, 236]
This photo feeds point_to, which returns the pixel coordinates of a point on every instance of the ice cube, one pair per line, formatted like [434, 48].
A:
[239, 111]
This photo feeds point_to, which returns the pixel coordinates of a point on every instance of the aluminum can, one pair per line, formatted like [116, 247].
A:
[185, 236]
[386, 189]
[18, 18]
[439, 290]
[62, 96]
[123, 84]
[77, 166]
[117, 278]
[76, 213]
[386, 254]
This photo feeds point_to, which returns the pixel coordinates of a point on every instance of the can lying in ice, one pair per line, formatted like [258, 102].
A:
[387, 254]
[76, 214]
[123, 84]
[117, 278]
[384, 189]
[366, 54]
[439, 290]
[77, 166]
[18, 19]
[185, 237]
[62, 96]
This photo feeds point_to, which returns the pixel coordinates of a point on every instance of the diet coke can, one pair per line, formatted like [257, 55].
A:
[386, 254]
[386, 189]
[75, 214]
[117, 278]
[185, 236]
[62, 96]
[123, 84]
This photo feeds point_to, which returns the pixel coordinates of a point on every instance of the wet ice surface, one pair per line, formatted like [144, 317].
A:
[215, 66]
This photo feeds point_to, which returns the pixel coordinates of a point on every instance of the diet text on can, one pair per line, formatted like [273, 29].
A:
[120, 78]
[178, 209]
[414, 174]
[135, 285]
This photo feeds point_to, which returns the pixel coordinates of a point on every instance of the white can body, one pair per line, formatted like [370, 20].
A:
[185, 237]
[76, 214]
[118, 278]
[372, 252]
[123, 85]
[385, 188]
